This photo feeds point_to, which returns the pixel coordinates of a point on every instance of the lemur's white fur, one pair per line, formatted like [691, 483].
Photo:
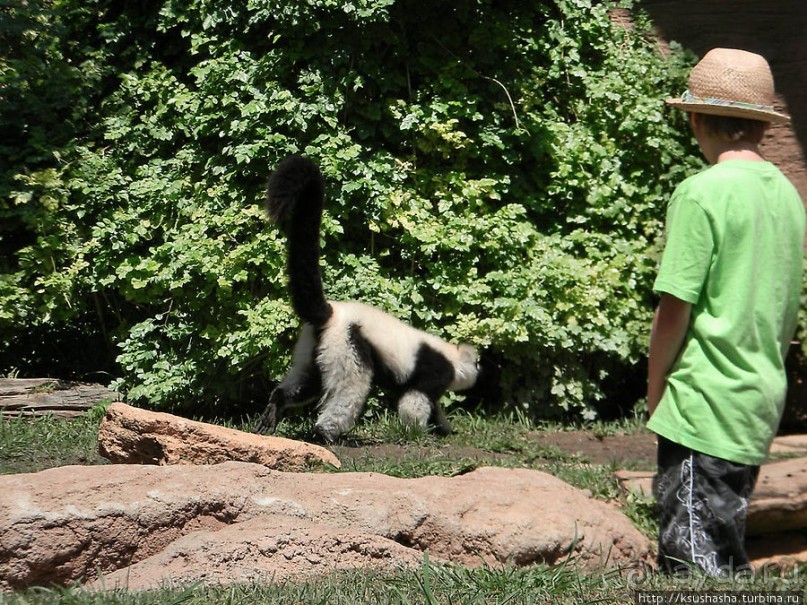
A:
[397, 342]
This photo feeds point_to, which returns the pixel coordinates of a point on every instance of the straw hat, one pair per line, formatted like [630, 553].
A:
[731, 82]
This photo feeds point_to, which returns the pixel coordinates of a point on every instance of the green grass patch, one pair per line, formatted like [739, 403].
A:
[431, 584]
[28, 445]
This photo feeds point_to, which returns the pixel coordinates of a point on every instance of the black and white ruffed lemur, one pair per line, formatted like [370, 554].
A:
[346, 347]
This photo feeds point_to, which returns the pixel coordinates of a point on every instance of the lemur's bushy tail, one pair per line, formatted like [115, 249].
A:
[294, 198]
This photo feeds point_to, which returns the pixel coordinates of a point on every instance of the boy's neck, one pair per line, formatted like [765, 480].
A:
[737, 151]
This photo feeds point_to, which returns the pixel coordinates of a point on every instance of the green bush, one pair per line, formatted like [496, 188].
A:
[497, 172]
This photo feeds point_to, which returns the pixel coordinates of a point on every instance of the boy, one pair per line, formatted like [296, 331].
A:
[730, 279]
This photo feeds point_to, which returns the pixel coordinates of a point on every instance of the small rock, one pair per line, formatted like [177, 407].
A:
[129, 435]
[638, 482]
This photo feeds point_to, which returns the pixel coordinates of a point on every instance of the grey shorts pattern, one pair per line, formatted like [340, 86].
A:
[702, 503]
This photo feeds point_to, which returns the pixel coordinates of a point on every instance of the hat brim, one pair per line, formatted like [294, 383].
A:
[731, 111]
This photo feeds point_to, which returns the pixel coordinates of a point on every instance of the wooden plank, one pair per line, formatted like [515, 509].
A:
[42, 396]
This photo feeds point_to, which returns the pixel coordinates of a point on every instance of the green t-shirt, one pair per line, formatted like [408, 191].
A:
[735, 240]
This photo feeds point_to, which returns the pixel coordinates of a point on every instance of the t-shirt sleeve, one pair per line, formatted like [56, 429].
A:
[689, 250]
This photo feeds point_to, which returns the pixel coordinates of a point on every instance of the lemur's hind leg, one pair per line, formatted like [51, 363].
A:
[420, 403]
[302, 384]
[346, 366]
[417, 409]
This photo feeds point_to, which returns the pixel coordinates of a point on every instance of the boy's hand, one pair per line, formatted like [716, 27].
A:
[670, 326]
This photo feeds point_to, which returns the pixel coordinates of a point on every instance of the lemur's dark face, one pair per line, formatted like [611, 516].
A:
[487, 388]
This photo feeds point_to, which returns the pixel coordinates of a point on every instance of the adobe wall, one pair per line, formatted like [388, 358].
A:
[773, 28]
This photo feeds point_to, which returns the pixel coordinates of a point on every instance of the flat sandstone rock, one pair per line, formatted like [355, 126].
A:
[129, 435]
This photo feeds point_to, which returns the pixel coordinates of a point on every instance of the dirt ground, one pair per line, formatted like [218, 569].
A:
[619, 450]
[633, 451]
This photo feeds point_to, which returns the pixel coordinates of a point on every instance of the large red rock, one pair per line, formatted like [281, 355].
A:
[66, 524]
[130, 435]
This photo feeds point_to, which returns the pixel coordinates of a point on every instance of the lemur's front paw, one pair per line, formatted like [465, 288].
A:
[267, 423]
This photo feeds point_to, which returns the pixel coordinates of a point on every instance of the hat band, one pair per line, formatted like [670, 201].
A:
[688, 97]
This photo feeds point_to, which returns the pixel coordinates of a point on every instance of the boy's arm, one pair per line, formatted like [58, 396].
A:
[670, 326]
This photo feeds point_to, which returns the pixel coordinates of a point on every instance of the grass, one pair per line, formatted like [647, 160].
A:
[431, 584]
[388, 447]
[31, 445]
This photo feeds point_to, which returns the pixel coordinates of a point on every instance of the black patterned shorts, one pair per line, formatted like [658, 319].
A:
[702, 503]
